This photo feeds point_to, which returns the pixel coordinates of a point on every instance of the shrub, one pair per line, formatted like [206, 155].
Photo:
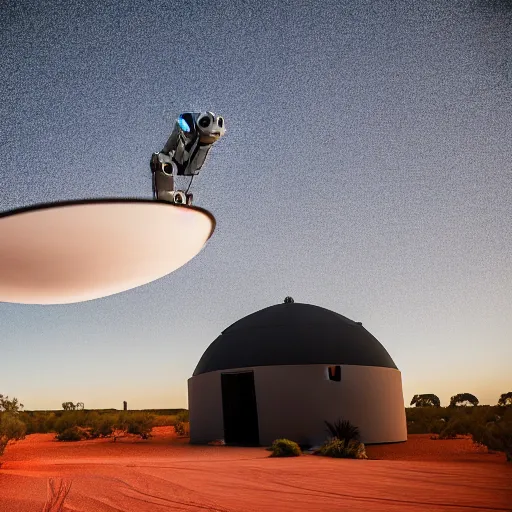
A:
[285, 448]
[140, 423]
[417, 427]
[181, 423]
[70, 419]
[182, 429]
[39, 422]
[70, 434]
[183, 416]
[455, 427]
[343, 430]
[495, 436]
[339, 448]
[421, 419]
[102, 425]
[164, 420]
[437, 426]
[344, 441]
[333, 448]
[360, 451]
[424, 420]
[11, 429]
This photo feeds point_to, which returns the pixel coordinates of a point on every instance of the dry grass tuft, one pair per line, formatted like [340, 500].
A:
[58, 490]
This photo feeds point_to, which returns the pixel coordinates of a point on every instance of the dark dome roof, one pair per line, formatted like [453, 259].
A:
[293, 334]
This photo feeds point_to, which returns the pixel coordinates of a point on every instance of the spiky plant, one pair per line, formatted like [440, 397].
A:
[343, 430]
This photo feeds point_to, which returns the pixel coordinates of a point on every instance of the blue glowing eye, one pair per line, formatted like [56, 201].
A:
[183, 124]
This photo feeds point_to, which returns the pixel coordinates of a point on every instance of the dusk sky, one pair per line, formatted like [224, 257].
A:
[366, 168]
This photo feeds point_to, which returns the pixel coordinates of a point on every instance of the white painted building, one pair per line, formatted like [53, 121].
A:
[284, 370]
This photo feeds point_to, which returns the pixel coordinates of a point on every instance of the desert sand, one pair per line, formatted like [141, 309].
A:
[166, 473]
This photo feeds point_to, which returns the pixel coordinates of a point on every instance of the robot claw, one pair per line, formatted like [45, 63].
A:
[184, 154]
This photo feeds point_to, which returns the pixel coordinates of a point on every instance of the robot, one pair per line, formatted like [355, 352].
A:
[184, 154]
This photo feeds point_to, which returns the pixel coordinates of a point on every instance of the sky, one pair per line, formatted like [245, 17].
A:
[366, 168]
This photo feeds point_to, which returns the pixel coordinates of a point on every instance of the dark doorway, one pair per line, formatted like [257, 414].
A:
[239, 409]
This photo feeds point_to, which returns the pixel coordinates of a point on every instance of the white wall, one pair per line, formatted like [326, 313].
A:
[205, 408]
[374, 399]
[293, 402]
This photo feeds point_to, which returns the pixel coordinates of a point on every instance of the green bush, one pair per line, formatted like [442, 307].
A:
[339, 448]
[163, 412]
[285, 448]
[90, 424]
[101, 425]
[455, 427]
[496, 436]
[137, 423]
[162, 420]
[70, 434]
[333, 448]
[11, 429]
[181, 423]
[414, 427]
[344, 441]
[183, 416]
[437, 426]
[70, 419]
[38, 422]
[425, 420]
[103, 422]
[181, 428]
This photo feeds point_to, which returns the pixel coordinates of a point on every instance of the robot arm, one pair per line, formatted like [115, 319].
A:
[184, 153]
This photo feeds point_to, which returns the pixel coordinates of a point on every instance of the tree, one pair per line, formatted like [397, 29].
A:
[462, 398]
[11, 427]
[427, 400]
[7, 405]
[68, 406]
[288, 300]
[79, 406]
[505, 399]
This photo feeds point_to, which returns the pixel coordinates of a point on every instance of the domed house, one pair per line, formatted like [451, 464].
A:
[283, 371]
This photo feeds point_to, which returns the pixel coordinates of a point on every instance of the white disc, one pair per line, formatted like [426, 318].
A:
[69, 252]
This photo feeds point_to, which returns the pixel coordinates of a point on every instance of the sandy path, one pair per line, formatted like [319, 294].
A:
[168, 474]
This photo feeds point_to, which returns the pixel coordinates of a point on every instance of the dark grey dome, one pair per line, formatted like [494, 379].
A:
[293, 334]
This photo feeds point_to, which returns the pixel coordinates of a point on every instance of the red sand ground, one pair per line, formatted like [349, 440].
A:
[166, 473]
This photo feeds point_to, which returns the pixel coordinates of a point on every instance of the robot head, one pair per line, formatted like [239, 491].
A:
[210, 127]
